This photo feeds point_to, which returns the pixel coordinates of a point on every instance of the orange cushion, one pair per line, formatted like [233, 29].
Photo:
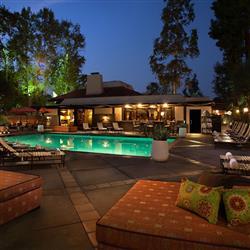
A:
[13, 184]
[147, 217]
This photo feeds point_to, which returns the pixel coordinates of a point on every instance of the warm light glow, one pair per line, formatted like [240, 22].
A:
[237, 111]
[245, 110]
[63, 111]
[127, 106]
[139, 105]
[217, 112]
[165, 105]
[105, 144]
[162, 113]
[48, 141]
[152, 106]
[228, 112]
[105, 118]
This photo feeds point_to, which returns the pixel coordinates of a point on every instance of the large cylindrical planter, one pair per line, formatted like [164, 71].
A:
[182, 132]
[160, 150]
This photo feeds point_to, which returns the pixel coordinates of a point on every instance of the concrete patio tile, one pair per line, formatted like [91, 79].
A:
[103, 185]
[64, 238]
[51, 178]
[117, 183]
[90, 215]
[89, 226]
[78, 198]
[71, 190]
[130, 181]
[90, 187]
[98, 176]
[103, 199]
[87, 207]
[92, 237]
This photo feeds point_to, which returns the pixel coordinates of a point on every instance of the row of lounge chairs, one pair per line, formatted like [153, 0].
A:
[11, 155]
[100, 127]
[238, 134]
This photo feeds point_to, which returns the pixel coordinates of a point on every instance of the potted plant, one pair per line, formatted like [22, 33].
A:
[182, 129]
[160, 150]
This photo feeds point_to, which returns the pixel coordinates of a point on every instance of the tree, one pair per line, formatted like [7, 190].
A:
[231, 30]
[153, 88]
[192, 87]
[35, 44]
[175, 44]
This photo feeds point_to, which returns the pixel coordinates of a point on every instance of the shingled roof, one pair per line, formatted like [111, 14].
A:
[107, 91]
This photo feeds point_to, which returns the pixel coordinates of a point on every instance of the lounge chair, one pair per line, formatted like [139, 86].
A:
[116, 126]
[11, 155]
[85, 126]
[100, 127]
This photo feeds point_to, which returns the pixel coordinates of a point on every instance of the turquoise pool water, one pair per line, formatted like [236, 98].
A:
[134, 146]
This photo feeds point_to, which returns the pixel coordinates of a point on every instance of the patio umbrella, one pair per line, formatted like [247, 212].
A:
[44, 110]
[22, 111]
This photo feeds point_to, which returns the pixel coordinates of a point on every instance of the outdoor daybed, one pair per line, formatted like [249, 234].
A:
[147, 218]
[19, 194]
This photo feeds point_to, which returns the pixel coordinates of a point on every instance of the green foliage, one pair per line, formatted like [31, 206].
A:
[37, 48]
[192, 87]
[3, 120]
[158, 133]
[153, 88]
[174, 45]
[231, 29]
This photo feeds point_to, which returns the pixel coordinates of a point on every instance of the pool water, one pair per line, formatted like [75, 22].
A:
[134, 146]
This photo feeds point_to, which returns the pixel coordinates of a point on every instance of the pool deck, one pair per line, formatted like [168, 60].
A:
[77, 195]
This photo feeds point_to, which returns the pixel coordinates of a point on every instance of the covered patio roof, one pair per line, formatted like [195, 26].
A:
[122, 100]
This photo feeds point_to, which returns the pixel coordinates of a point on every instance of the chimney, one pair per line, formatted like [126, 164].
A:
[94, 84]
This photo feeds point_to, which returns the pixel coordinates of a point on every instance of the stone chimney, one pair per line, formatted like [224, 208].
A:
[94, 84]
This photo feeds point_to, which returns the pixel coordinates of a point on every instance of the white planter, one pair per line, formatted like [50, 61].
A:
[40, 128]
[160, 150]
[182, 132]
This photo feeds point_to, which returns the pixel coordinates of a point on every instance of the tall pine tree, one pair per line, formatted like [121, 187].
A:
[175, 44]
[231, 30]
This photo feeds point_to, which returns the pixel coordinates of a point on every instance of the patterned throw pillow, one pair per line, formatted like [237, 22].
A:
[200, 199]
[237, 206]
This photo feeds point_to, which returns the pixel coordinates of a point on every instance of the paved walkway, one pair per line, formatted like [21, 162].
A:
[76, 196]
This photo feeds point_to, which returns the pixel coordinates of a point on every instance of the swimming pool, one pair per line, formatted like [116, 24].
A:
[134, 146]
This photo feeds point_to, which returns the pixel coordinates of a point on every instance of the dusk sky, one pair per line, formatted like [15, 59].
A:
[120, 34]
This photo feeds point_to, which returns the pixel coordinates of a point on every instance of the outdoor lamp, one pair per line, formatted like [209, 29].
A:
[245, 110]
[237, 111]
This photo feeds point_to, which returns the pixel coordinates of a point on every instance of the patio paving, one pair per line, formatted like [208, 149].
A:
[76, 196]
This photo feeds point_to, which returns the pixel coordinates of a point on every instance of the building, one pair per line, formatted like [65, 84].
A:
[118, 101]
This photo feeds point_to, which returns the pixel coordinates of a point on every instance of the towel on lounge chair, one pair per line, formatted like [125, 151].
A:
[116, 126]
[85, 126]
[100, 126]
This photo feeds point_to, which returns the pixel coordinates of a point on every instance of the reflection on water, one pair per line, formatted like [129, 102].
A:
[94, 144]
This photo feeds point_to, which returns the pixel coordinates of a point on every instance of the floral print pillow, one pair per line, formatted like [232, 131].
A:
[200, 199]
[237, 206]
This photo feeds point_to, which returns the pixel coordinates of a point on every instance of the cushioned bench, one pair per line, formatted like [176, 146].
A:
[19, 194]
[147, 218]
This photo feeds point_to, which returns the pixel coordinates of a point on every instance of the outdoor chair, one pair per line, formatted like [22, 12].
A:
[241, 131]
[243, 136]
[116, 126]
[31, 157]
[85, 126]
[100, 127]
